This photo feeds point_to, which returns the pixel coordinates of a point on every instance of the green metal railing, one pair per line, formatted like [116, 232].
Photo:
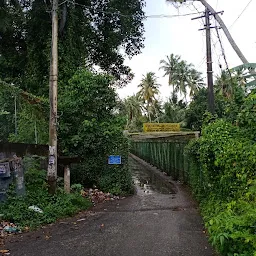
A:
[168, 156]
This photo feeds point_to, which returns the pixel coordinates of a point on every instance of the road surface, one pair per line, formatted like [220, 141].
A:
[160, 220]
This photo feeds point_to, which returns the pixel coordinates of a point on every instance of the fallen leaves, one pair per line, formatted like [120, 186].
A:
[4, 251]
[97, 196]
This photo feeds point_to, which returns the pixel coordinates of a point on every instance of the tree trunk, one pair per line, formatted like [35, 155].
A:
[149, 117]
[225, 29]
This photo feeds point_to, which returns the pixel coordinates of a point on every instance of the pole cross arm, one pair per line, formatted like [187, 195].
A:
[222, 24]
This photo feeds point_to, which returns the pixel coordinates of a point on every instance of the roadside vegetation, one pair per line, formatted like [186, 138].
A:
[223, 167]
[92, 118]
[90, 123]
[222, 160]
[47, 208]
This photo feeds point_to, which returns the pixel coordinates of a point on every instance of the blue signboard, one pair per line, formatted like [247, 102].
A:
[114, 160]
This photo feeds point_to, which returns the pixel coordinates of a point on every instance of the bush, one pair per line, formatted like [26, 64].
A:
[92, 129]
[222, 176]
[61, 205]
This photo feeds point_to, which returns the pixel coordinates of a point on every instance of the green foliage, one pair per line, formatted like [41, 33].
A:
[32, 126]
[61, 205]
[174, 110]
[247, 116]
[223, 179]
[199, 106]
[25, 43]
[91, 128]
[31, 116]
[7, 119]
[232, 225]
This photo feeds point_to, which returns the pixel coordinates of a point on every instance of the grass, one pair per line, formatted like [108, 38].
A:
[54, 207]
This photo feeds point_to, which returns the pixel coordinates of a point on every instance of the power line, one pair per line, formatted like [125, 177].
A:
[201, 63]
[169, 16]
[215, 51]
[223, 52]
[241, 13]
[115, 11]
[198, 12]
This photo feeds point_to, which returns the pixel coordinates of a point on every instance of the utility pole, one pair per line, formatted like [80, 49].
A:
[209, 62]
[53, 84]
[222, 25]
[226, 31]
[208, 28]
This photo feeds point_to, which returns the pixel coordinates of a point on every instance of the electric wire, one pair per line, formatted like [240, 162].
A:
[239, 16]
[223, 51]
[115, 11]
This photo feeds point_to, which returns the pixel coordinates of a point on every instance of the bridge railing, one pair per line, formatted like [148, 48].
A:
[168, 156]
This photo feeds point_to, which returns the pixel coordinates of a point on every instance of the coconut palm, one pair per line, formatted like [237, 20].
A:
[182, 83]
[133, 107]
[224, 84]
[182, 75]
[170, 68]
[229, 80]
[149, 88]
[195, 81]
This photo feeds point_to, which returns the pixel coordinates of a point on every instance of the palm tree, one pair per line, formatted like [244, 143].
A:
[183, 82]
[182, 75]
[195, 81]
[224, 84]
[133, 107]
[170, 68]
[148, 91]
[229, 80]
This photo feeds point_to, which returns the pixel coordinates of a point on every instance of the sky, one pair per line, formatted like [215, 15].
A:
[181, 36]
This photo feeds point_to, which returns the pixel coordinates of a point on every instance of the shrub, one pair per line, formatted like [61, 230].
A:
[223, 164]
[61, 205]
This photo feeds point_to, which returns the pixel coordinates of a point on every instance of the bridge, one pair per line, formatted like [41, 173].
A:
[164, 150]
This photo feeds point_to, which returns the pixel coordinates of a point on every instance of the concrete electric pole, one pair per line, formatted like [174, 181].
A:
[53, 84]
[209, 62]
[208, 27]
[222, 25]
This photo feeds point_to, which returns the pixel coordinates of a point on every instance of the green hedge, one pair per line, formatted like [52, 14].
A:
[222, 176]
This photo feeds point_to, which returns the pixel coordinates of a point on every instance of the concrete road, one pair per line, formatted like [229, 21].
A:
[160, 220]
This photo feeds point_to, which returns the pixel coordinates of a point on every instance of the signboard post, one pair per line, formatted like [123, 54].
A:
[161, 127]
[114, 160]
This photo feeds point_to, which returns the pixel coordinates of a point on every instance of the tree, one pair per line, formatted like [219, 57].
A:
[227, 83]
[91, 129]
[195, 81]
[91, 32]
[170, 68]
[133, 111]
[174, 110]
[198, 107]
[182, 75]
[149, 88]
[24, 116]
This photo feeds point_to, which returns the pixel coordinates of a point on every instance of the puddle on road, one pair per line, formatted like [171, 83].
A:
[147, 181]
